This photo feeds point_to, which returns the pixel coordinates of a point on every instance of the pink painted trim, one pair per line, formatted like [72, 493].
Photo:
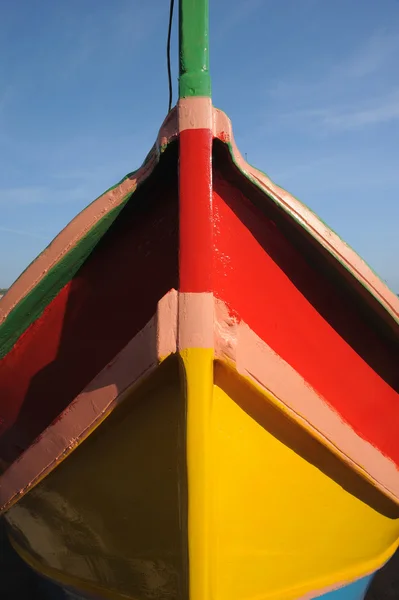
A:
[136, 361]
[323, 234]
[186, 319]
[196, 320]
[167, 324]
[254, 359]
[195, 113]
[195, 202]
[83, 222]
[182, 321]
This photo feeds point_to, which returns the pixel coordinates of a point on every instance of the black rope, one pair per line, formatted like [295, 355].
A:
[172, 2]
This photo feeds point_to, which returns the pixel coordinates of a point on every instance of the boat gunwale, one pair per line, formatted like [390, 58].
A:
[190, 113]
[195, 113]
[58, 254]
[309, 221]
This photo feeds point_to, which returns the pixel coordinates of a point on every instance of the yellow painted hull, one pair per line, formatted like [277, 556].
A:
[199, 486]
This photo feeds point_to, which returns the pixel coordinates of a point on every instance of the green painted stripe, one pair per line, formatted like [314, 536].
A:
[34, 303]
[194, 78]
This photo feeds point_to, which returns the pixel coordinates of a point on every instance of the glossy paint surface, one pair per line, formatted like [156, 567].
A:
[197, 370]
[200, 484]
[194, 78]
[307, 319]
[195, 211]
[243, 349]
[34, 303]
[111, 519]
[97, 400]
[262, 470]
[95, 315]
[198, 487]
[44, 278]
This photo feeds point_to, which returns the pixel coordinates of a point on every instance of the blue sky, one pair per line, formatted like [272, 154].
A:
[312, 87]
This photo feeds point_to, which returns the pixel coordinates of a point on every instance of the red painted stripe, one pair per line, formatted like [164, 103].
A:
[305, 317]
[195, 197]
[110, 299]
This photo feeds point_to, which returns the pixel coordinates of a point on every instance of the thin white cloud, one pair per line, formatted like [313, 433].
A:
[379, 110]
[358, 92]
[379, 52]
[23, 195]
[369, 58]
[384, 112]
[295, 171]
[28, 195]
[21, 232]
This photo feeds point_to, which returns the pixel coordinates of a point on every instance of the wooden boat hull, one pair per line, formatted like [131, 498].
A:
[199, 385]
[271, 508]
[210, 450]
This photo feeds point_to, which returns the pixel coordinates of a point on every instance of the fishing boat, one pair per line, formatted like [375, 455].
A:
[199, 384]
